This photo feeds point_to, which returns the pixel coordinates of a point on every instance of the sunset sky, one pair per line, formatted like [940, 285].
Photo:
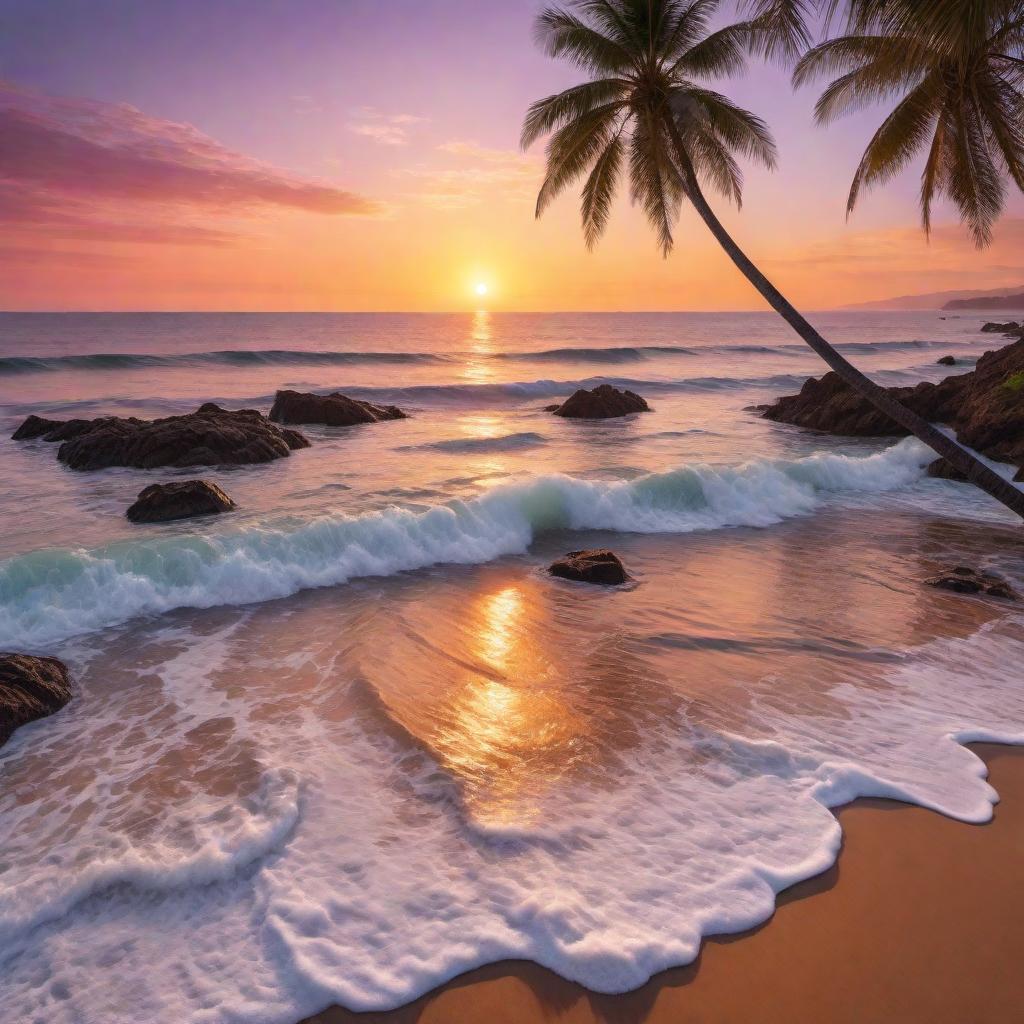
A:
[362, 155]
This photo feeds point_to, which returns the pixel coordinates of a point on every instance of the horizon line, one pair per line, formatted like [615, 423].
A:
[851, 308]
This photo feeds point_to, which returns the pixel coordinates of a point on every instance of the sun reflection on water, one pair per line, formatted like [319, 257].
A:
[478, 368]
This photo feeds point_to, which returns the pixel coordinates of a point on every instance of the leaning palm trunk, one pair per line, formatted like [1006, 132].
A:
[958, 456]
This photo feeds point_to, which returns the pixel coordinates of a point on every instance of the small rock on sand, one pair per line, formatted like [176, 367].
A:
[594, 566]
[964, 580]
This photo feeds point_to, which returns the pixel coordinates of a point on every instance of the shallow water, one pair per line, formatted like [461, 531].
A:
[351, 740]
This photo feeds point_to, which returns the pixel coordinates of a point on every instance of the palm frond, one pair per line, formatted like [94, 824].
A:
[741, 131]
[573, 148]
[552, 112]
[599, 190]
[686, 25]
[561, 34]
[654, 179]
[901, 135]
[718, 55]
[973, 182]
[782, 29]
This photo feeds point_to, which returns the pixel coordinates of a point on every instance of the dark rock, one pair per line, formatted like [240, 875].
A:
[34, 426]
[181, 499]
[334, 410]
[964, 580]
[210, 436]
[597, 566]
[603, 402]
[997, 328]
[944, 470]
[30, 688]
[984, 406]
[946, 361]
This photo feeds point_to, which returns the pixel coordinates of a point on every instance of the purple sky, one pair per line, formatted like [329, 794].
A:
[410, 107]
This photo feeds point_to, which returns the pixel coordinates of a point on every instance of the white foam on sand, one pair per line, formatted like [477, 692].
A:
[379, 884]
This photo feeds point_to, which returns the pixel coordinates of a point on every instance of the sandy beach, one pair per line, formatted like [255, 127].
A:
[919, 920]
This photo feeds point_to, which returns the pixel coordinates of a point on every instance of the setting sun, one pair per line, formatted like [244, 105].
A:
[481, 288]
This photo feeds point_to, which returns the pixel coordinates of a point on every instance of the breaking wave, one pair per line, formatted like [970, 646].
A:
[49, 595]
[226, 357]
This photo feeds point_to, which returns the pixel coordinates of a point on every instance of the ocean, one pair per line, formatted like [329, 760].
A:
[351, 739]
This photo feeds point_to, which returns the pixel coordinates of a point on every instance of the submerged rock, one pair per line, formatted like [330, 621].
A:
[595, 566]
[210, 436]
[964, 580]
[333, 410]
[602, 402]
[181, 499]
[30, 688]
[946, 361]
[984, 406]
[35, 426]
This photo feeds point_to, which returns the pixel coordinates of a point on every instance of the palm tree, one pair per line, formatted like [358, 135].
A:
[956, 69]
[642, 109]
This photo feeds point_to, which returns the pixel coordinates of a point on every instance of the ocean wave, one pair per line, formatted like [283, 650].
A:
[635, 353]
[226, 357]
[106, 361]
[46, 596]
[615, 354]
[547, 388]
[476, 445]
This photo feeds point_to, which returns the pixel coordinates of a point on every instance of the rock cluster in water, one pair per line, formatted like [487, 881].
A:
[964, 580]
[984, 406]
[210, 436]
[180, 499]
[600, 403]
[594, 566]
[334, 410]
[30, 688]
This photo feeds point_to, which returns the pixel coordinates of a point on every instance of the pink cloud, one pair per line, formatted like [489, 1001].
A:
[78, 168]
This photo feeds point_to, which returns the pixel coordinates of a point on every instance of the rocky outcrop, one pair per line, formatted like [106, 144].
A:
[334, 410]
[984, 406]
[30, 688]
[180, 499]
[1010, 327]
[600, 403]
[964, 580]
[946, 361]
[210, 436]
[595, 566]
[943, 470]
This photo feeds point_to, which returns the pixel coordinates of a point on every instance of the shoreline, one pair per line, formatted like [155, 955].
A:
[917, 920]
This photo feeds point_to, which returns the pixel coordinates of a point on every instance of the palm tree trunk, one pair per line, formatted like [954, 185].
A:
[975, 470]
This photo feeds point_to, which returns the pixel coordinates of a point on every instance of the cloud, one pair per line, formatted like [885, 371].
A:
[77, 168]
[387, 129]
[480, 172]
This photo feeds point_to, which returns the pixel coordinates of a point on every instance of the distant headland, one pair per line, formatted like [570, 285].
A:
[962, 298]
[988, 302]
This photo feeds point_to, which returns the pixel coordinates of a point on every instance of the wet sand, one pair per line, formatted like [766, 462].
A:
[921, 919]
